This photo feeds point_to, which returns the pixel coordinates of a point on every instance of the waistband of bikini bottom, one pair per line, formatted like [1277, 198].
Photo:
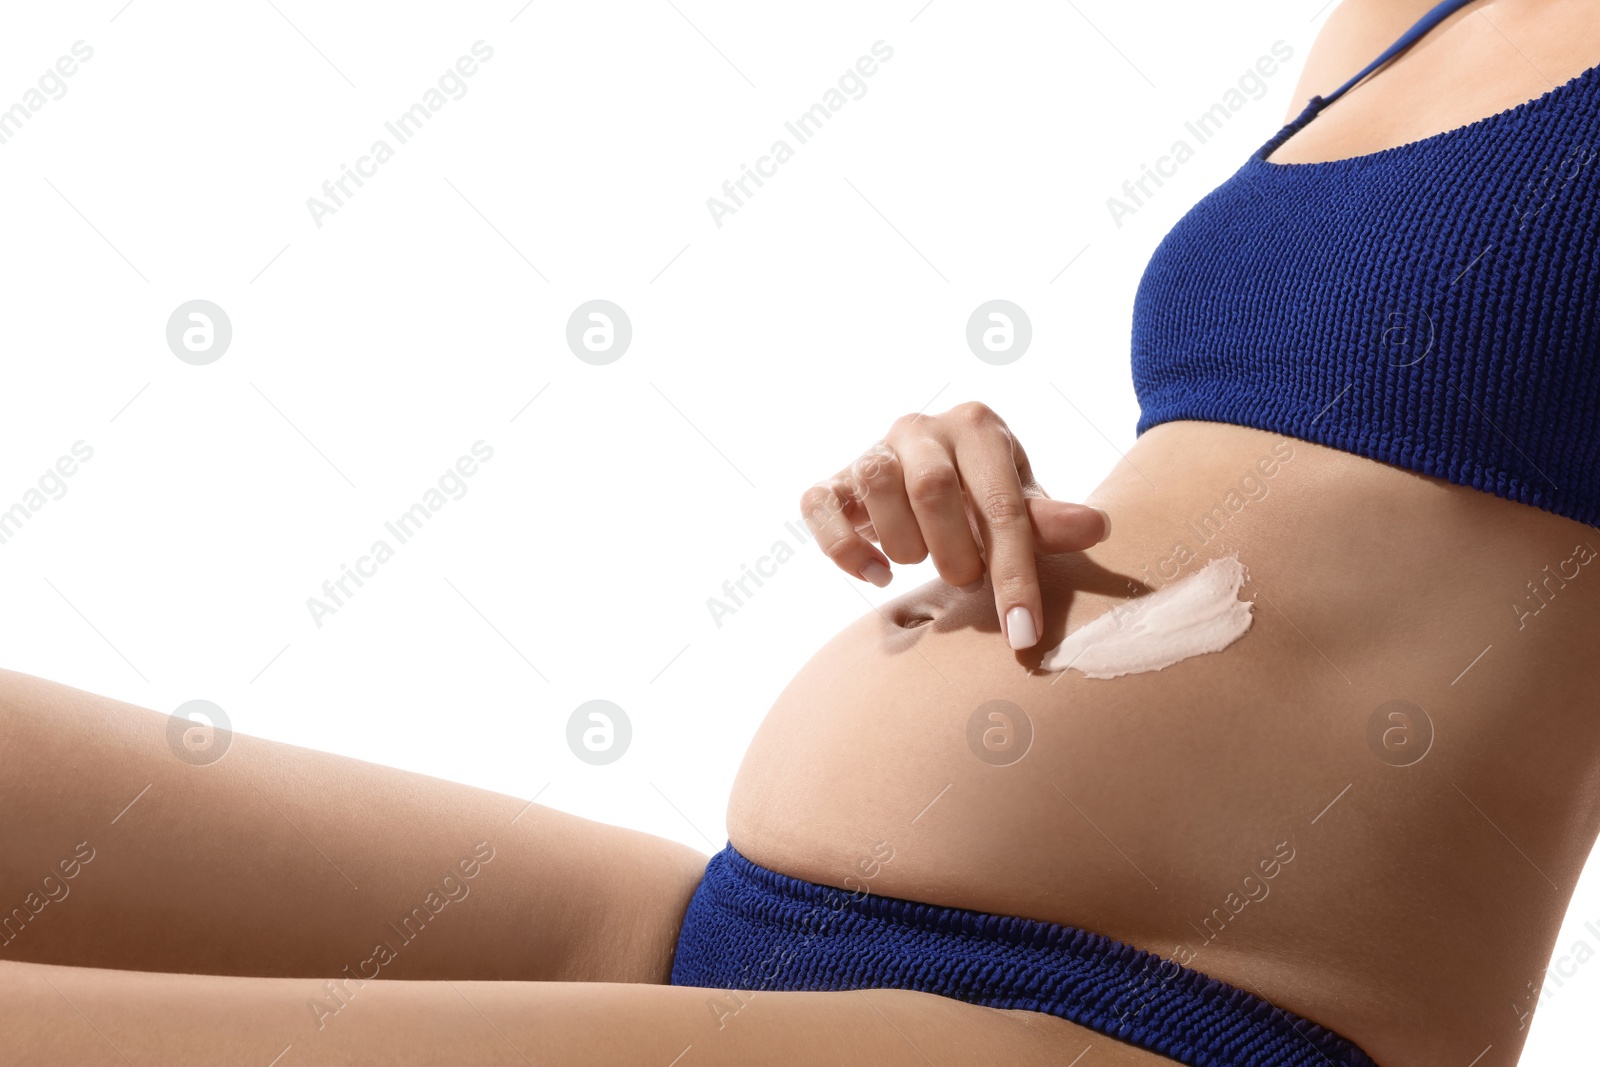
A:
[751, 928]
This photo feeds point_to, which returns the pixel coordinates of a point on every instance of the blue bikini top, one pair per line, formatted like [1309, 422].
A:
[1434, 306]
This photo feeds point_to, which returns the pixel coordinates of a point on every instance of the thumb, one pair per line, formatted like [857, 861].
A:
[1062, 526]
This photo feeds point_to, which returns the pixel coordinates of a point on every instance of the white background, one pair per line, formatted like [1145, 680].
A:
[430, 309]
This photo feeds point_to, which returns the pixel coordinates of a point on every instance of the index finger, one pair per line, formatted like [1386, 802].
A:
[994, 490]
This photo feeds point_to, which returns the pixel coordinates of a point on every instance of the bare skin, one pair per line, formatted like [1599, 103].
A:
[1418, 903]
[93, 1017]
[1481, 60]
[279, 861]
[1145, 801]
[232, 911]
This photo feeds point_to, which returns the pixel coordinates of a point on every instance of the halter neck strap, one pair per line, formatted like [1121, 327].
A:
[1436, 15]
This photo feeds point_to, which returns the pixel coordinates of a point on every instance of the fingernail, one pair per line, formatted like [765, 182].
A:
[876, 573]
[971, 587]
[1020, 631]
[1104, 514]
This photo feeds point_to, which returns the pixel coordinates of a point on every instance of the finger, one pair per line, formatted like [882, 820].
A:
[1024, 466]
[1058, 526]
[883, 491]
[825, 508]
[933, 487]
[994, 490]
[1062, 526]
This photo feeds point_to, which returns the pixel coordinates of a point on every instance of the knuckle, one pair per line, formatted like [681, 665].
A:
[849, 486]
[876, 465]
[836, 548]
[815, 499]
[932, 483]
[973, 414]
[1013, 588]
[1001, 508]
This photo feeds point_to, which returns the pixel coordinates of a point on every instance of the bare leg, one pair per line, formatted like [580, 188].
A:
[93, 1017]
[283, 862]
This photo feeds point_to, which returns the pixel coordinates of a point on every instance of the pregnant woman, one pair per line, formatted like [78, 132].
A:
[1280, 748]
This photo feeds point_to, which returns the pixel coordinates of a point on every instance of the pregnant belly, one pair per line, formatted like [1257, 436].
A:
[1389, 730]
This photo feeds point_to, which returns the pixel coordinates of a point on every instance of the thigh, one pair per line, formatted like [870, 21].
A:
[280, 861]
[92, 1017]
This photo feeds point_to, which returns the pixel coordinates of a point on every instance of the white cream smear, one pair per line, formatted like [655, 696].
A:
[1189, 617]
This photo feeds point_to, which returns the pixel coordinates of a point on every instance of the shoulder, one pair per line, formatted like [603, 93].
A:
[1355, 33]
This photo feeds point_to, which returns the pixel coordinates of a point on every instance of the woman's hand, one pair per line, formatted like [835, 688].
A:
[957, 485]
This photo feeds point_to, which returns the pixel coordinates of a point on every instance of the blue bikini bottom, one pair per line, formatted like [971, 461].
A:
[751, 928]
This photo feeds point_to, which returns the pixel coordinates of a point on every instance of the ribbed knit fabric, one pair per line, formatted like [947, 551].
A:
[751, 928]
[1434, 306]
